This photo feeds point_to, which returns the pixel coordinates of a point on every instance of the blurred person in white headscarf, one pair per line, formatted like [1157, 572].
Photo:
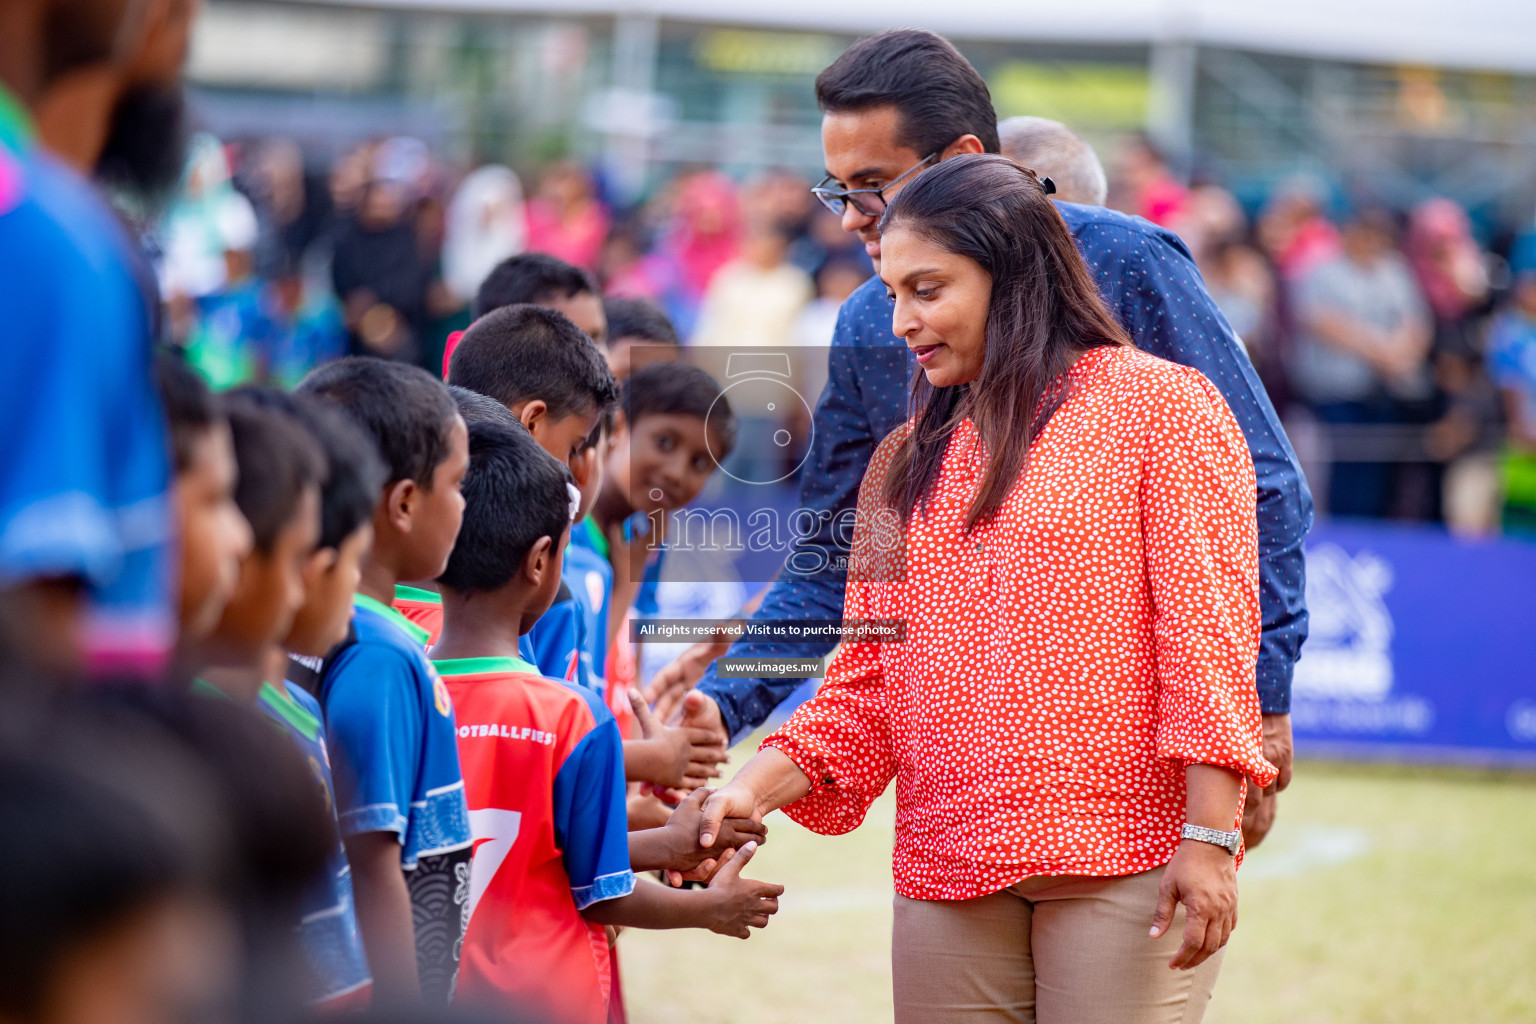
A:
[208, 220]
[486, 224]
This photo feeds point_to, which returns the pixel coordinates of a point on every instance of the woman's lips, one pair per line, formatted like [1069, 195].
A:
[925, 352]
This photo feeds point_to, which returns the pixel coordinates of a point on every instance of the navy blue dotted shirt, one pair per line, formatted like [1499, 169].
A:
[1150, 282]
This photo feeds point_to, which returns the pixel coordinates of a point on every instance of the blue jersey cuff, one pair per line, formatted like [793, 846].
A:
[372, 818]
[603, 887]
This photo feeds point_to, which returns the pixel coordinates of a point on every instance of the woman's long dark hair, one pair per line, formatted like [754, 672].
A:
[1044, 312]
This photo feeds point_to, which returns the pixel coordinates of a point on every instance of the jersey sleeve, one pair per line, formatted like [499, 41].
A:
[374, 732]
[591, 821]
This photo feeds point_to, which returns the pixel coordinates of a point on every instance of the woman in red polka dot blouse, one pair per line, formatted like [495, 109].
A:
[1066, 529]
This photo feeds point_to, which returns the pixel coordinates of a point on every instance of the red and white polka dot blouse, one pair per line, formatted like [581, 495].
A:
[1063, 661]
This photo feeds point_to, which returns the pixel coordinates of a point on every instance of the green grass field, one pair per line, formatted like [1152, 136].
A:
[1384, 895]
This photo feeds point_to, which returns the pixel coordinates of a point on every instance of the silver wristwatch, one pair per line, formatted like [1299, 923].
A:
[1229, 841]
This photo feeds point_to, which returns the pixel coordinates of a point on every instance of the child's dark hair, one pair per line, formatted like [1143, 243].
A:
[408, 412]
[354, 471]
[520, 353]
[90, 858]
[478, 408]
[278, 459]
[531, 277]
[637, 318]
[682, 390]
[514, 493]
[191, 408]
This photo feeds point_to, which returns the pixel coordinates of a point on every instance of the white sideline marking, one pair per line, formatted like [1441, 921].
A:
[1304, 849]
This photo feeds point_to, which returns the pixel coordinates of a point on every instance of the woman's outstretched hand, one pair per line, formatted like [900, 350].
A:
[730, 801]
[1203, 877]
[767, 782]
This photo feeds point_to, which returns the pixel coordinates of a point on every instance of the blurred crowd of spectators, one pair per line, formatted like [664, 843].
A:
[1400, 347]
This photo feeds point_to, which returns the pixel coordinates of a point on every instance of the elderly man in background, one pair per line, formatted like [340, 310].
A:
[1052, 150]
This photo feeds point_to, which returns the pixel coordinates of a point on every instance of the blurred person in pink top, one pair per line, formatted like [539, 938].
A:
[565, 218]
[1149, 187]
[704, 234]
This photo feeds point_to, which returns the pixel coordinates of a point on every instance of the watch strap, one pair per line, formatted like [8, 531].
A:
[1229, 841]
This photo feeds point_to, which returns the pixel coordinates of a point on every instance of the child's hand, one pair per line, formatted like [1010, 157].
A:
[673, 682]
[683, 758]
[686, 858]
[645, 811]
[743, 904]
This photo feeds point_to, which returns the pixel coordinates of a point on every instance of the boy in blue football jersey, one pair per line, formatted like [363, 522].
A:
[389, 719]
[328, 931]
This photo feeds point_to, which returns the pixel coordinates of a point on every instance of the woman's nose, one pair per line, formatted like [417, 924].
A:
[903, 322]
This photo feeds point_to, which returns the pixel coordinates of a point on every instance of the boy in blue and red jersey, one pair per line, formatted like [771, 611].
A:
[544, 768]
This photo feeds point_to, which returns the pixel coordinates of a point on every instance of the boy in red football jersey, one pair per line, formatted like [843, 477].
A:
[544, 768]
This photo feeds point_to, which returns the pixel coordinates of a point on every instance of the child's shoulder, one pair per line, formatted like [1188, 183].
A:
[379, 652]
[578, 709]
[392, 632]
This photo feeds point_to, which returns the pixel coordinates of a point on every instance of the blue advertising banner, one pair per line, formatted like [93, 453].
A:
[1422, 647]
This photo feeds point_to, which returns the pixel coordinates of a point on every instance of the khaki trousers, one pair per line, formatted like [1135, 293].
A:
[1052, 950]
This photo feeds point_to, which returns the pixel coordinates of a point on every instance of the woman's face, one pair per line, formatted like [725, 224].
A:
[941, 305]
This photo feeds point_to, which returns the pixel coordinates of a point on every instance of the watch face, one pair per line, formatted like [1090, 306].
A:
[774, 429]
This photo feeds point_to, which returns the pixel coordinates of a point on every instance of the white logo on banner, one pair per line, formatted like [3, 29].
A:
[1348, 653]
[1521, 720]
[1343, 682]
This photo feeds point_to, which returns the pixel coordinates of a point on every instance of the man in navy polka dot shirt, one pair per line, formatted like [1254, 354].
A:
[895, 104]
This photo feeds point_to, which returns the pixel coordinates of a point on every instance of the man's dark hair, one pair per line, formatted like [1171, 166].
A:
[145, 151]
[408, 412]
[191, 408]
[681, 390]
[354, 471]
[514, 493]
[478, 408]
[531, 277]
[278, 459]
[637, 318]
[936, 91]
[520, 353]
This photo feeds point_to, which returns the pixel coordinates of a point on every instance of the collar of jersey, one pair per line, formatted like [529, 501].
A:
[294, 713]
[595, 536]
[16, 129]
[415, 632]
[405, 593]
[483, 666]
